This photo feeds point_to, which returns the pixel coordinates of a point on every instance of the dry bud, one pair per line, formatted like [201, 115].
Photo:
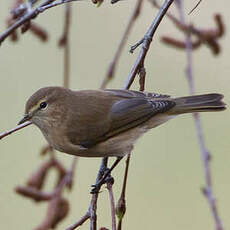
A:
[120, 208]
[46, 149]
[178, 43]
[39, 32]
[33, 193]
[25, 27]
[57, 210]
[37, 179]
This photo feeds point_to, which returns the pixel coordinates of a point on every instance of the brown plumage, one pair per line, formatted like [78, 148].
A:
[98, 123]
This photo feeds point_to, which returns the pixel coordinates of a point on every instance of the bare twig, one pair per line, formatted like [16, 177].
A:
[4, 134]
[142, 74]
[208, 190]
[146, 41]
[198, 3]
[92, 210]
[121, 205]
[81, 221]
[112, 204]
[114, 62]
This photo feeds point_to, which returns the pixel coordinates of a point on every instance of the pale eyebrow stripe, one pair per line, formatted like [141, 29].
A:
[33, 108]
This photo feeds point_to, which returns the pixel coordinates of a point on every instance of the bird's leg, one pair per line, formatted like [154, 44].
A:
[106, 171]
[102, 169]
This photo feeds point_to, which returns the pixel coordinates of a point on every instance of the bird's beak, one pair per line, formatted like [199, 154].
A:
[24, 119]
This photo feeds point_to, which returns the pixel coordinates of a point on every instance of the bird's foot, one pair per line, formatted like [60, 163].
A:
[107, 178]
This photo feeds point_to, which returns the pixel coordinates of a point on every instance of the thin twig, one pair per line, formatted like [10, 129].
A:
[114, 62]
[93, 204]
[142, 74]
[121, 206]
[56, 3]
[146, 41]
[126, 175]
[92, 210]
[198, 3]
[81, 221]
[112, 204]
[4, 134]
[208, 190]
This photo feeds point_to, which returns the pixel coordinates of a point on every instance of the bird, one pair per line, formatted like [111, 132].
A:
[106, 123]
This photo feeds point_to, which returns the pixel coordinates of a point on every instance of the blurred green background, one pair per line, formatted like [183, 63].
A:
[166, 173]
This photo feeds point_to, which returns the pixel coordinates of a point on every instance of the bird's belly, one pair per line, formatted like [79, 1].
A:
[58, 143]
[118, 145]
[157, 120]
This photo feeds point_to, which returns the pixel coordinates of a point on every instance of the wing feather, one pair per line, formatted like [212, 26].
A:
[129, 113]
[121, 109]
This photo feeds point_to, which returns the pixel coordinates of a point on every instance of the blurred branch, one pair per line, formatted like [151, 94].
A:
[64, 42]
[114, 62]
[18, 10]
[207, 36]
[24, 13]
[208, 190]
[58, 207]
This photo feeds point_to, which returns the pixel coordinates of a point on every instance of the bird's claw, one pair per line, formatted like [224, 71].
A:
[96, 187]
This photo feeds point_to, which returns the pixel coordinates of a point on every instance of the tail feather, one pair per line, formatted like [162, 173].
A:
[198, 103]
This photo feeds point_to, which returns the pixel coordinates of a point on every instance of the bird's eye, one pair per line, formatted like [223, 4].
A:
[43, 105]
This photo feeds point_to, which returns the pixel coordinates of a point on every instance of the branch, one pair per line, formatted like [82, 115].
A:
[121, 205]
[92, 210]
[146, 41]
[4, 134]
[112, 203]
[207, 36]
[208, 190]
[81, 221]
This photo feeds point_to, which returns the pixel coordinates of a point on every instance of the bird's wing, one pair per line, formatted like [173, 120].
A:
[132, 93]
[128, 110]
[129, 113]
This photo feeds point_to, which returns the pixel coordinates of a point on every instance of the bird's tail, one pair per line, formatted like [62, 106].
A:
[198, 103]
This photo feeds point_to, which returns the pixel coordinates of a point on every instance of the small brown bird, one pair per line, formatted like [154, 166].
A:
[104, 123]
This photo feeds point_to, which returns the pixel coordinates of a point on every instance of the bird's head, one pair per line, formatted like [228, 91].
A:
[45, 106]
